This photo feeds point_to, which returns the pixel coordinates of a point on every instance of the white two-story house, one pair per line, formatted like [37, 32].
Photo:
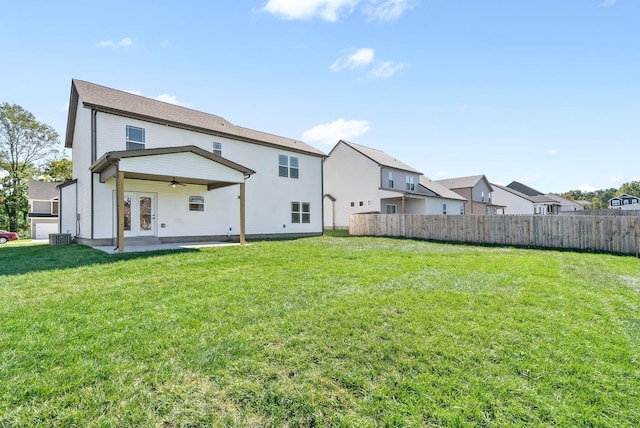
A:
[149, 170]
[359, 179]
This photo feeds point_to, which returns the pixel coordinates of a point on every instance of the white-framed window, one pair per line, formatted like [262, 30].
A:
[625, 202]
[444, 208]
[410, 183]
[615, 202]
[300, 212]
[390, 180]
[353, 204]
[217, 148]
[135, 138]
[361, 203]
[634, 202]
[196, 203]
[390, 209]
[461, 209]
[54, 207]
[483, 198]
[288, 166]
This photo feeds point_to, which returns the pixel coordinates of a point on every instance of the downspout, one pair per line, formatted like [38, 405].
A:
[94, 139]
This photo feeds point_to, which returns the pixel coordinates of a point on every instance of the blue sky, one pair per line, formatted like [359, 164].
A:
[546, 92]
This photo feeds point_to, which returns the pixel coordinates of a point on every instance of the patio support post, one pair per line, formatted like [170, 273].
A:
[242, 216]
[120, 198]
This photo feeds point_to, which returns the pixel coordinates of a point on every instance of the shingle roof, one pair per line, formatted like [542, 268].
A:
[536, 199]
[524, 189]
[43, 191]
[129, 105]
[463, 182]
[439, 189]
[380, 157]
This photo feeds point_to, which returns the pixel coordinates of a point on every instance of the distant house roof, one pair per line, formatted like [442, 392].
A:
[464, 182]
[438, 189]
[378, 156]
[43, 191]
[522, 188]
[126, 104]
[537, 199]
[624, 196]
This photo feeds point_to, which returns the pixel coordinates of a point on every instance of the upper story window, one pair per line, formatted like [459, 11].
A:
[217, 148]
[135, 138]
[483, 199]
[410, 183]
[390, 180]
[288, 166]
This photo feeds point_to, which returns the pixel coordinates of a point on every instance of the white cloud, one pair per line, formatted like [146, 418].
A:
[331, 133]
[333, 10]
[587, 188]
[171, 99]
[607, 3]
[358, 59]
[388, 10]
[329, 10]
[385, 69]
[364, 57]
[124, 43]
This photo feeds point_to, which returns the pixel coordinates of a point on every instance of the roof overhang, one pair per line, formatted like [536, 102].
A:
[185, 164]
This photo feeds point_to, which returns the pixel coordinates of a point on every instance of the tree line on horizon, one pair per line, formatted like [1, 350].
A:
[600, 198]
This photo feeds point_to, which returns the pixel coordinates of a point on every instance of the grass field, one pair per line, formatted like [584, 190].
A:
[328, 331]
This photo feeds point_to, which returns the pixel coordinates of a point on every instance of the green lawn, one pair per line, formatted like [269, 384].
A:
[328, 331]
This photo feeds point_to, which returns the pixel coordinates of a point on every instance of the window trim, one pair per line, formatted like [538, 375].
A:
[217, 148]
[300, 212]
[286, 167]
[132, 144]
[195, 205]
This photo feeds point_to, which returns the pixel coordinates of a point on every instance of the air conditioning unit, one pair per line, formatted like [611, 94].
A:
[59, 239]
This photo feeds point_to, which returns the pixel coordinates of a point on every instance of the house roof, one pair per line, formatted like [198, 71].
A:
[378, 156]
[43, 191]
[438, 189]
[522, 188]
[463, 182]
[126, 104]
[623, 196]
[538, 199]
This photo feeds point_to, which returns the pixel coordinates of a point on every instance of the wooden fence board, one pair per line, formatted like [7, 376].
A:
[607, 233]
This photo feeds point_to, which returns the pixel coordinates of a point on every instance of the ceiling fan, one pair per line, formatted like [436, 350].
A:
[175, 183]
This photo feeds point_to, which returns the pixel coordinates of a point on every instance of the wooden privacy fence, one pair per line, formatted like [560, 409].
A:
[613, 234]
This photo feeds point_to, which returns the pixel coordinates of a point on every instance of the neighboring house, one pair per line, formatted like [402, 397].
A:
[624, 202]
[359, 179]
[43, 208]
[151, 171]
[550, 203]
[477, 191]
[516, 202]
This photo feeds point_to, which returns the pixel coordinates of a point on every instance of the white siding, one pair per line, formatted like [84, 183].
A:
[179, 164]
[514, 204]
[268, 196]
[81, 163]
[350, 177]
[433, 206]
[68, 209]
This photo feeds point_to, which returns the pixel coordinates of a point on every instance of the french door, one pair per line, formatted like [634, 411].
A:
[139, 214]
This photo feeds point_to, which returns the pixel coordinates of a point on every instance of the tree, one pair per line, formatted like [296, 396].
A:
[57, 170]
[631, 188]
[24, 142]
